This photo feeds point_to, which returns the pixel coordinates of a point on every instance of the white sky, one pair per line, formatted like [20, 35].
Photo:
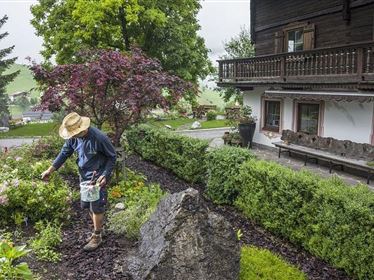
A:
[219, 20]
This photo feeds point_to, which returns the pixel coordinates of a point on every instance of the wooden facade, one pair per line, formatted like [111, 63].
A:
[337, 45]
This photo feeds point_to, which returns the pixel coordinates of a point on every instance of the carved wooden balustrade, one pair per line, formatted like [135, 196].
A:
[337, 65]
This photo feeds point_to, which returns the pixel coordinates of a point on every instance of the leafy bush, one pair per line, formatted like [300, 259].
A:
[140, 202]
[332, 220]
[183, 155]
[33, 201]
[223, 168]
[261, 264]
[10, 267]
[45, 243]
[211, 115]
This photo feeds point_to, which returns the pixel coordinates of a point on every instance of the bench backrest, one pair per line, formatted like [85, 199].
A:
[339, 147]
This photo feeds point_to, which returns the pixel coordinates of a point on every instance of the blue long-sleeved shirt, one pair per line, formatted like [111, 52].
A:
[95, 153]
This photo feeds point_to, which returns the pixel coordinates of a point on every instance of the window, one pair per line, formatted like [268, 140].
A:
[295, 40]
[308, 118]
[272, 115]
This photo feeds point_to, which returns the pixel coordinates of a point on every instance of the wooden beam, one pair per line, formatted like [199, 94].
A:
[346, 10]
[336, 9]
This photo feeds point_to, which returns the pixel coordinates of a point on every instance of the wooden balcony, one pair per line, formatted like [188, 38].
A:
[348, 66]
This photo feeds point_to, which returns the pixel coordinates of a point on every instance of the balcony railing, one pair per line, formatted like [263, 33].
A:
[345, 64]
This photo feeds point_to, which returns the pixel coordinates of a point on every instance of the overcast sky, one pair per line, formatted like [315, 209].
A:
[219, 20]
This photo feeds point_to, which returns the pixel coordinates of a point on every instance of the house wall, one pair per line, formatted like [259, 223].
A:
[341, 120]
[271, 12]
[349, 121]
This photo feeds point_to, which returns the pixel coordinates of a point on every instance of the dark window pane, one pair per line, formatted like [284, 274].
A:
[272, 115]
[308, 118]
[295, 40]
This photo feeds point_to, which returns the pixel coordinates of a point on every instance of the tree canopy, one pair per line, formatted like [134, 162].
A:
[5, 79]
[163, 29]
[120, 89]
[239, 46]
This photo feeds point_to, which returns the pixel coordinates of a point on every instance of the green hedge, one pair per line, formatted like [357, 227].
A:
[223, 166]
[182, 155]
[329, 218]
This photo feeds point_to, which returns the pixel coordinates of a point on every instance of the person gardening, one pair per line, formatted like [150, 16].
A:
[96, 160]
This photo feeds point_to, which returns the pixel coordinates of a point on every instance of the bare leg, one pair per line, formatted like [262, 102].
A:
[98, 220]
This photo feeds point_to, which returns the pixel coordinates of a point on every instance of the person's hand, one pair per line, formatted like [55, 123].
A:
[45, 175]
[102, 181]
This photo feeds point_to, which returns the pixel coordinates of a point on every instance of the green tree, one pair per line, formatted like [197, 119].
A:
[163, 29]
[23, 102]
[5, 79]
[239, 46]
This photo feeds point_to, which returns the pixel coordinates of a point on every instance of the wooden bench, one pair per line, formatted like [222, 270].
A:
[332, 159]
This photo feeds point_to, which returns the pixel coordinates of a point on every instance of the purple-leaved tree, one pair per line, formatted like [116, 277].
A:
[113, 87]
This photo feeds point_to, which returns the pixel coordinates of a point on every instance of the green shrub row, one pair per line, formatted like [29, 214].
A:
[223, 166]
[326, 216]
[183, 155]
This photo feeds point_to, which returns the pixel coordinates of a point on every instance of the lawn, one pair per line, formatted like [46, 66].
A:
[33, 129]
[173, 123]
[214, 124]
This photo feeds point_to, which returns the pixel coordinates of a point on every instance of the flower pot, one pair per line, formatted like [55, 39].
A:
[246, 131]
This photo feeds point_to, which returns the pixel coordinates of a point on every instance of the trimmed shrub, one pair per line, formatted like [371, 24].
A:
[327, 217]
[261, 264]
[211, 115]
[180, 154]
[223, 168]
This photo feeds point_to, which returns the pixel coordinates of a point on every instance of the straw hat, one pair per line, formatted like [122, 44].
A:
[72, 125]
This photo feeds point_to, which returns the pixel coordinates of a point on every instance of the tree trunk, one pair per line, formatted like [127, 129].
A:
[125, 35]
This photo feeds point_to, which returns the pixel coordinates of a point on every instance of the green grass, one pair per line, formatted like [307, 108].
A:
[33, 129]
[261, 264]
[214, 124]
[173, 123]
[183, 123]
[23, 82]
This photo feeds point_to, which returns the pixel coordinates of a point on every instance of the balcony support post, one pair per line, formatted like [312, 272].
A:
[360, 62]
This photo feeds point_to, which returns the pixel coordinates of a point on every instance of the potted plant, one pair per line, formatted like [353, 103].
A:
[246, 126]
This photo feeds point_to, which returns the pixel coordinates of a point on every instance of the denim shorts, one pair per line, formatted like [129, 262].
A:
[98, 206]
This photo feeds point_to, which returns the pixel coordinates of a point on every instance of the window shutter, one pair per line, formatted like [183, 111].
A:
[309, 31]
[279, 42]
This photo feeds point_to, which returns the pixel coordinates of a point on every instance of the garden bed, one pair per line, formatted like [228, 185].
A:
[252, 233]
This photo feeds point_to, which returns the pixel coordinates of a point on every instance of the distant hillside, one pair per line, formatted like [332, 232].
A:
[23, 82]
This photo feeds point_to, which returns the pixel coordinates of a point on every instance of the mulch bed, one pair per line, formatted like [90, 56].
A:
[107, 261]
[253, 234]
[78, 264]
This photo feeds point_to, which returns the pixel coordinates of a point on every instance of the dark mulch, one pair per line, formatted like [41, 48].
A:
[253, 234]
[78, 264]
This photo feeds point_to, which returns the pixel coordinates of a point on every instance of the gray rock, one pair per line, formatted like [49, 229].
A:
[119, 206]
[183, 240]
[196, 125]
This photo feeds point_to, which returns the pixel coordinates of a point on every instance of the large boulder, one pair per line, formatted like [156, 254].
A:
[184, 240]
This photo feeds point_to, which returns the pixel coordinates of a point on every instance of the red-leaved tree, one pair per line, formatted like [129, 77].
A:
[113, 87]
